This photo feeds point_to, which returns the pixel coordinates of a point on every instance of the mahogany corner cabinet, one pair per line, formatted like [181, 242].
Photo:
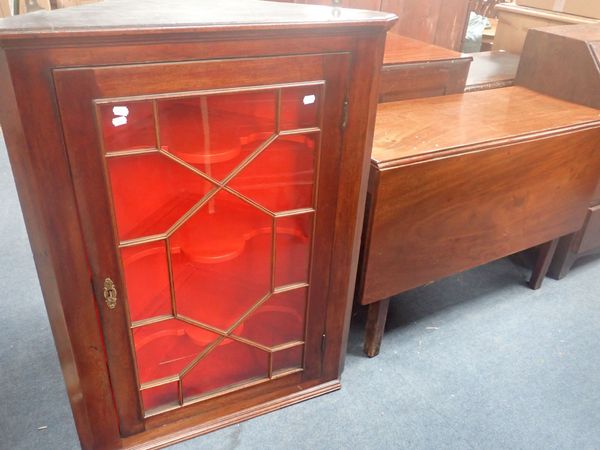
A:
[191, 175]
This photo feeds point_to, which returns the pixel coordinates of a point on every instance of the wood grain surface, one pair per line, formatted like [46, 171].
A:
[564, 62]
[435, 125]
[119, 17]
[439, 217]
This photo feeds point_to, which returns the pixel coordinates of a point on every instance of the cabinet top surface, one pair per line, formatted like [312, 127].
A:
[423, 128]
[119, 17]
[401, 50]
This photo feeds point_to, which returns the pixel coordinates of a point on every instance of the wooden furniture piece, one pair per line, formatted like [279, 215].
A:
[5, 8]
[439, 22]
[572, 55]
[415, 69]
[453, 188]
[515, 21]
[192, 176]
[492, 70]
[27, 6]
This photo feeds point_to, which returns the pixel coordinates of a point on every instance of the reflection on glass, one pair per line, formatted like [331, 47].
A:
[293, 243]
[290, 358]
[280, 320]
[150, 192]
[230, 363]
[282, 177]
[224, 266]
[165, 348]
[161, 396]
[216, 133]
[147, 280]
[128, 126]
[300, 107]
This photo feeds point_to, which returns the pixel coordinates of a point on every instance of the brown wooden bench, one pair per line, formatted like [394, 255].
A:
[462, 180]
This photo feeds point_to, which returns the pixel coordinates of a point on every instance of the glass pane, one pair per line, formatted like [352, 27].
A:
[216, 133]
[221, 254]
[293, 243]
[147, 280]
[287, 359]
[231, 363]
[150, 192]
[224, 264]
[128, 126]
[300, 107]
[161, 396]
[165, 348]
[281, 178]
[278, 321]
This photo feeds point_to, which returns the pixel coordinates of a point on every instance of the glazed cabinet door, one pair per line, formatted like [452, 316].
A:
[206, 193]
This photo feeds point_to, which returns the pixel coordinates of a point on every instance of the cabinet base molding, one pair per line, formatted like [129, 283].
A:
[187, 429]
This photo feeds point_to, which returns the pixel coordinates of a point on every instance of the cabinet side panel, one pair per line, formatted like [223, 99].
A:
[352, 193]
[40, 169]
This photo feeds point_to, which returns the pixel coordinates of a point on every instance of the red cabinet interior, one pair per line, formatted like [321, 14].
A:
[213, 203]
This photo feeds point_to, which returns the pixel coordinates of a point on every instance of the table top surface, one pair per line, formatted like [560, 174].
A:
[116, 17]
[426, 128]
[402, 50]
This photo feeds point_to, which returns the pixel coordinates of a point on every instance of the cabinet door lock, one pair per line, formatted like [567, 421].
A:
[110, 293]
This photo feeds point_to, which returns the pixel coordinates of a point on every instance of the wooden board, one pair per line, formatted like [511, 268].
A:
[571, 54]
[515, 21]
[27, 6]
[445, 124]
[5, 9]
[439, 22]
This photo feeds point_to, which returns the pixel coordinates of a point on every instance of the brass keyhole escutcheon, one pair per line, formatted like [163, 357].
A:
[110, 293]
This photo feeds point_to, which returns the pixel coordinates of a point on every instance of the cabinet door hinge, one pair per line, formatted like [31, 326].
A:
[345, 113]
[323, 344]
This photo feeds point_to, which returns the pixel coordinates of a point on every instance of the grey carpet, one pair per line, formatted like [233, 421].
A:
[475, 361]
